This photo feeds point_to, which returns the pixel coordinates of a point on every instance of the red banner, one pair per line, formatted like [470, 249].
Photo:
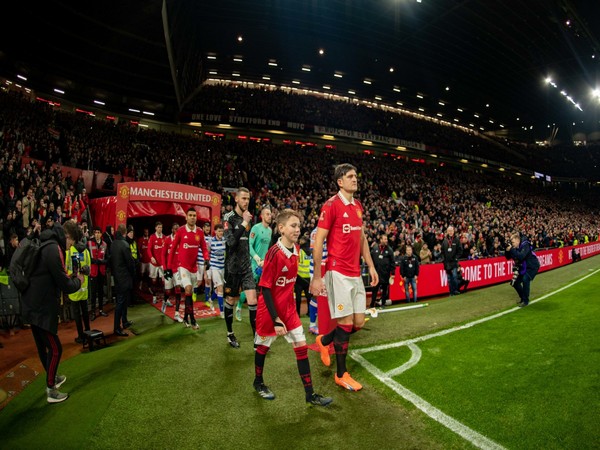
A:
[433, 279]
[148, 198]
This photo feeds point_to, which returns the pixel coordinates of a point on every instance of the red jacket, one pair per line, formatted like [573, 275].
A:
[98, 254]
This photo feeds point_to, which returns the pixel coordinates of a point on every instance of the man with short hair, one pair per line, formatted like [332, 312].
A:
[99, 254]
[238, 269]
[260, 241]
[40, 302]
[156, 245]
[123, 269]
[186, 243]
[341, 223]
[451, 251]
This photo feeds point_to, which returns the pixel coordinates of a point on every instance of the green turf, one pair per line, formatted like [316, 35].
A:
[171, 387]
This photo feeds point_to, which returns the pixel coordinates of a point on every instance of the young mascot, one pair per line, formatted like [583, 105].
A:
[276, 314]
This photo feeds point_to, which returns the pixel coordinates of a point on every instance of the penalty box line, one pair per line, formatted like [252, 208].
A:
[449, 422]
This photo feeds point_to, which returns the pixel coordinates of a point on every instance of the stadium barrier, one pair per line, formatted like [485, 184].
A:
[433, 279]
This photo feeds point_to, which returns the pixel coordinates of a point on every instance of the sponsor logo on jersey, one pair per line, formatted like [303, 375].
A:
[347, 228]
[282, 281]
[186, 245]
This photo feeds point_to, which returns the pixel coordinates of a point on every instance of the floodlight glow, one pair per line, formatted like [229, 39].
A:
[59, 91]
[240, 38]
[272, 64]
[295, 81]
[211, 57]
[548, 80]
[441, 104]
[419, 96]
[326, 87]
[134, 110]
[391, 69]
[98, 102]
[321, 51]
[396, 89]
[367, 81]
[266, 77]
[459, 109]
[338, 75]
[351, 92]
[377, 97]
[306, 69]
[238, 59]
[22, 77]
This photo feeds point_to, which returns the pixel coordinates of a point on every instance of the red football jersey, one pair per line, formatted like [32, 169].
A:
[186, 243]
[156, 246]
[344, 221]
[175, 259]
[143, 249]
[279, 274]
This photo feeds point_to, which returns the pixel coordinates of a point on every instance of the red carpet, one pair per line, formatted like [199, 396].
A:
[201, 311]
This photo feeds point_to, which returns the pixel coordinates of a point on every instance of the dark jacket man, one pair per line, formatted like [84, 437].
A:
[383, 260]
[40, 302]
[123, 271]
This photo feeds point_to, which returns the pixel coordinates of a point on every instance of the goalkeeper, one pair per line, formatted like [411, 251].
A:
[260, 241]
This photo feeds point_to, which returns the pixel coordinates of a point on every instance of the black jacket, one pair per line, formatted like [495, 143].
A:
[40, 301]
[451, 251]
[525, 257]
[122, 264]
[409, 266]
[384, 262]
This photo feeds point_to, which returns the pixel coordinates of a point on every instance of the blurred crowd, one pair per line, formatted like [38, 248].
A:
[412, 203]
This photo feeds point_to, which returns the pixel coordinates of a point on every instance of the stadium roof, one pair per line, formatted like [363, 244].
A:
[480, 62]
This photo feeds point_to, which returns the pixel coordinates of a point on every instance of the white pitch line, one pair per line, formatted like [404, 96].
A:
[454, 425]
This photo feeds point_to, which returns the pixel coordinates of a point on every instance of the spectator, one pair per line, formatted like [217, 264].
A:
[39, 303]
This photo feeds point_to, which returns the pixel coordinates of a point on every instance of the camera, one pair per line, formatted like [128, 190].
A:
[516, 269]
[75, 264]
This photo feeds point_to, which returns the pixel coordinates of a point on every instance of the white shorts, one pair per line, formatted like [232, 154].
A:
[346, 294]
[156, 271]
[201, 269]
[217, 276]
[296, 335]
[175, 280]
[144, 268]
[188, 278]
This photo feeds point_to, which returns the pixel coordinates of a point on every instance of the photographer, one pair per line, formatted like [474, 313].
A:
[451, 251]
[526, 263]
[78, 260]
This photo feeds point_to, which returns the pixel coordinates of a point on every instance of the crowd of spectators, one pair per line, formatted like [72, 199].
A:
[412, 203]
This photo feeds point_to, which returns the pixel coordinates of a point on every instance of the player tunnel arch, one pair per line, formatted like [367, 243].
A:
[138, 199]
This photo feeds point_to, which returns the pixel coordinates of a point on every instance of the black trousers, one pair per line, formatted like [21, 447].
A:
[122, 297]
[81, 316]
[302, 284]
[49, 350]
[385, 292]
[97, 291]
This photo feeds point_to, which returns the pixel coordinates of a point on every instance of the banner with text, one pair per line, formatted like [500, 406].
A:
[433, 279]
[368, 137]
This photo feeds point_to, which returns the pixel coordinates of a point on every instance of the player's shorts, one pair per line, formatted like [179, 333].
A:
[187, 278]
[201, 269]
[296, 335]
[235, 283]
[156, 271]
[144, 268]
[346, 294]
[175, 280]
[217, 276]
